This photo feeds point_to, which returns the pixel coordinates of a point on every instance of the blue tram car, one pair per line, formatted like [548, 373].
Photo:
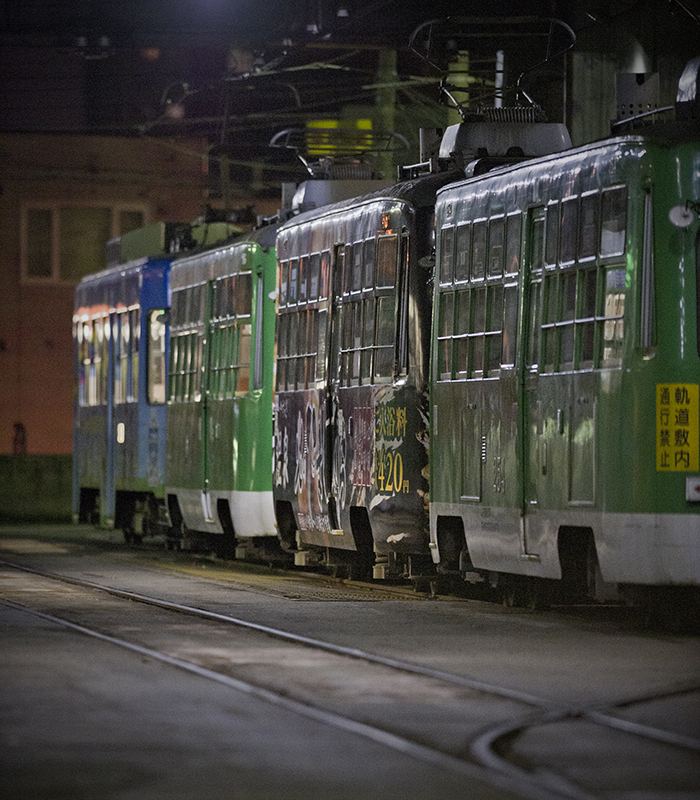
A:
[120, 330]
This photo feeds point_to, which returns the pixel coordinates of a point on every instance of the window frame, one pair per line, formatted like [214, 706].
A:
[55, 207]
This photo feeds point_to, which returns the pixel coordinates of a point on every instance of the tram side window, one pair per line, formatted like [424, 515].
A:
[367, 339]
[132, 388]
[477, 325]
[87, 351]
[387, 251]
[496, 241]
[513, 232]
[303, 278]
[613, 221]
[293, 281]
[613, 325]
[121, 357]
[568, 230]
[510, 325]
[321, 339]
[368, 281]
[447, 239]
[186, 345]
[282, 282]
[314, 276]
[588, 229]
[231, 335]
[156, 356]
[462, 326]
[385, 337]
[292, 349]
[551, 242]
[445, 334]
[478, 261]
[462, 258]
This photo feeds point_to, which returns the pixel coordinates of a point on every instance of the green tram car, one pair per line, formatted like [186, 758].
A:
[351, 400]
[565, 370]
[219, 438]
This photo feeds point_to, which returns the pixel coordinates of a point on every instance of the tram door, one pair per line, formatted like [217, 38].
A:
[533, 456]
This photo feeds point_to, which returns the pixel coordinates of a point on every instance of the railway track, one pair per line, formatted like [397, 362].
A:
[481, 730]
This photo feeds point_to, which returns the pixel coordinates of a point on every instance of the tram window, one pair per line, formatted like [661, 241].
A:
[588, 230]
[281, 363]
[321, 338]
[535, 293]
[387, 250]
[385, 334]
[613, 326]
[283, 279]
[613, 217]
[347, 275]
[121, 357]
[219, 298]
[356, 279]
[478, 303]
[568, 230]
[302, 345]
[356, 342]
[135, 327]
[369, 264]
[494, 328]
[445, 334]
[568, 296]
[243, 366]
[225, 355]
[314, 276]
[302, 279]
[586, 315]
[513, 227]
[447, 240]
[325, 267]
[549, 318]
[292, 350]
[196, 374]
[244, 294]
[367, 339]
[311, 346]
[462, 320]
[156, 356]
[217, 378]
[462, 255]
[293, 281]
[551, 237]
[510, 325]
[537, 247]
[478, 261]
[496, 237]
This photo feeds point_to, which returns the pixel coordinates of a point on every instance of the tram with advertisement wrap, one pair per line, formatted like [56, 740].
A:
[351, 403]
[565, 369]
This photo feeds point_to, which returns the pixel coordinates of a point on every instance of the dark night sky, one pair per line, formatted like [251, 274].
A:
[139, 22]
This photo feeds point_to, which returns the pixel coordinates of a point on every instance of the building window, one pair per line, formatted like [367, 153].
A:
[62, 243]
